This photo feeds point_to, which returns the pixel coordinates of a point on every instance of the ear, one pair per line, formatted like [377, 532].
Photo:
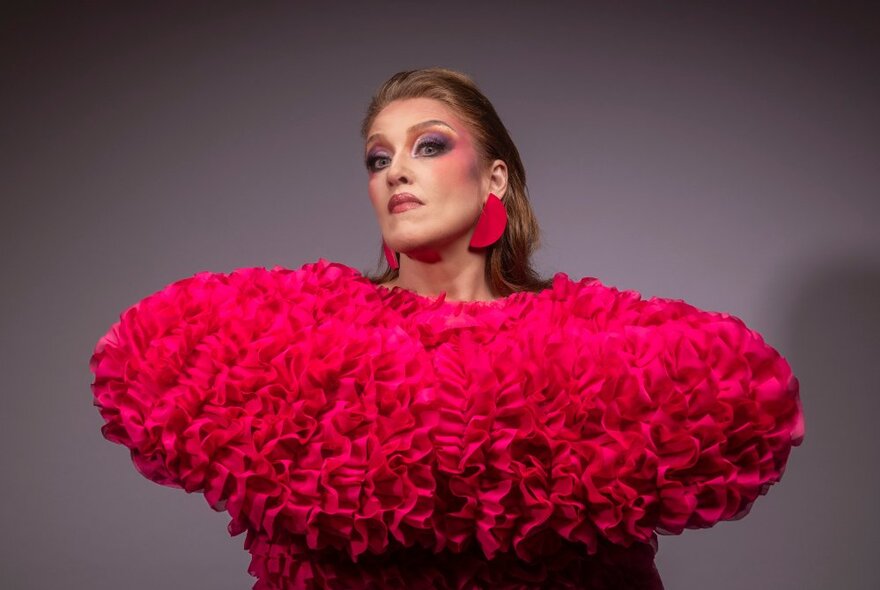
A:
[498, 178]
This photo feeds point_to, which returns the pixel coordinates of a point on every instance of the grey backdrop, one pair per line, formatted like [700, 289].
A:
[723, 153]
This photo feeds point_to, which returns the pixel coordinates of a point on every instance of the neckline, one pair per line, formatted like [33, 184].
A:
[441, 301]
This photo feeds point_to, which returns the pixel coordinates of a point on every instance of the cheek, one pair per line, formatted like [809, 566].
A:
[373, 194]
[457, 169]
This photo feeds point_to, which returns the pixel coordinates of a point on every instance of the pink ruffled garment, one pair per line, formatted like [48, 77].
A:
[326, 413]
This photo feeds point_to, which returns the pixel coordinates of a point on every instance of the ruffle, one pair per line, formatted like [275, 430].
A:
[317, 407]
[285, 564]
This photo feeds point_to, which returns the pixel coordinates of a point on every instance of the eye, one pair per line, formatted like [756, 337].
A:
[429, 146]
[371, 161]
[434, 145]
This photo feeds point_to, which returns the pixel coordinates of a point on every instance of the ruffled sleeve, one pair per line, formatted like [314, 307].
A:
[684, 417]
[179, 379]
[139, 366]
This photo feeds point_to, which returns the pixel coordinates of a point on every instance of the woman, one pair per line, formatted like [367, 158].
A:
[455, 421]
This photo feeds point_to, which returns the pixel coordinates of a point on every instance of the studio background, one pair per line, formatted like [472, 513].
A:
[723, 153]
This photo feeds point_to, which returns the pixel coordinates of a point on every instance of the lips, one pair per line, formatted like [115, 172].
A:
[401, 198]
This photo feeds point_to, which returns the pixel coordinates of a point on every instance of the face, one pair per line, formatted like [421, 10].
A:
[418, 146]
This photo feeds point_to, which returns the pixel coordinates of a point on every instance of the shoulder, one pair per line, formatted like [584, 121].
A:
[240, 292]
[589, 296]
[319, 274]
[607, 307]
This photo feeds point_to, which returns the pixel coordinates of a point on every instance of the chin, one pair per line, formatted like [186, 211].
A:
[403, 239]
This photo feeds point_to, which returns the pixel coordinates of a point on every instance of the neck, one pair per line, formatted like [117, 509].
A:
[462, 274]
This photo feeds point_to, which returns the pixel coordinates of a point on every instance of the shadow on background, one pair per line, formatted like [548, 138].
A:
[834, 322]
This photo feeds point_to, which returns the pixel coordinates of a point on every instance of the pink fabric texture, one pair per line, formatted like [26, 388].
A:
[324, 412]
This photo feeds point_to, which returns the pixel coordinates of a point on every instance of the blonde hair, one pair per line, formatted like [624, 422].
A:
[508, 261]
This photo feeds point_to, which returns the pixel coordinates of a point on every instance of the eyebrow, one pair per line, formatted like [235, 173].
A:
[416, 127]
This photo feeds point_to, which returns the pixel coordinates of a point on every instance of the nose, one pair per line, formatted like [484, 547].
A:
[398, 171]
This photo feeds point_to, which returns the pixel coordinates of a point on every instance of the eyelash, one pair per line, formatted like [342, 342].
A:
[439, 145]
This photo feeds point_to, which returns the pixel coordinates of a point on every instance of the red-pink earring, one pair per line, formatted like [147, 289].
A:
[390, 256]
[490, 226]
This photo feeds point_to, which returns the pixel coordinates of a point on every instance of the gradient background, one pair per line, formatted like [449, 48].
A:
[723, 153]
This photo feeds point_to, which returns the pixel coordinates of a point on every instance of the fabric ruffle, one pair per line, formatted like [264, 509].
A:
[317, 407]
[286, 564]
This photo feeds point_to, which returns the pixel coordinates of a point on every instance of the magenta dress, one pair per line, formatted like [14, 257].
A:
[371, 437]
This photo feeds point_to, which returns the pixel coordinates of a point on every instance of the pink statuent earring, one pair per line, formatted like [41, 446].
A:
[491, 224]
[390, 256]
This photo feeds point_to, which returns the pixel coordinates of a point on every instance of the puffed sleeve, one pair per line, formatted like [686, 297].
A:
[685, 416]
[178, 377]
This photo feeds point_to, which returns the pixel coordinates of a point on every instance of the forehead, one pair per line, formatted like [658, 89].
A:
[401, 114]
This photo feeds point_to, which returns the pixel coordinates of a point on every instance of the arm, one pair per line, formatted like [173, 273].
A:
[691, 415]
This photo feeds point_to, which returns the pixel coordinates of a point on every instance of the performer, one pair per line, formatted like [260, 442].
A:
[456, 420]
